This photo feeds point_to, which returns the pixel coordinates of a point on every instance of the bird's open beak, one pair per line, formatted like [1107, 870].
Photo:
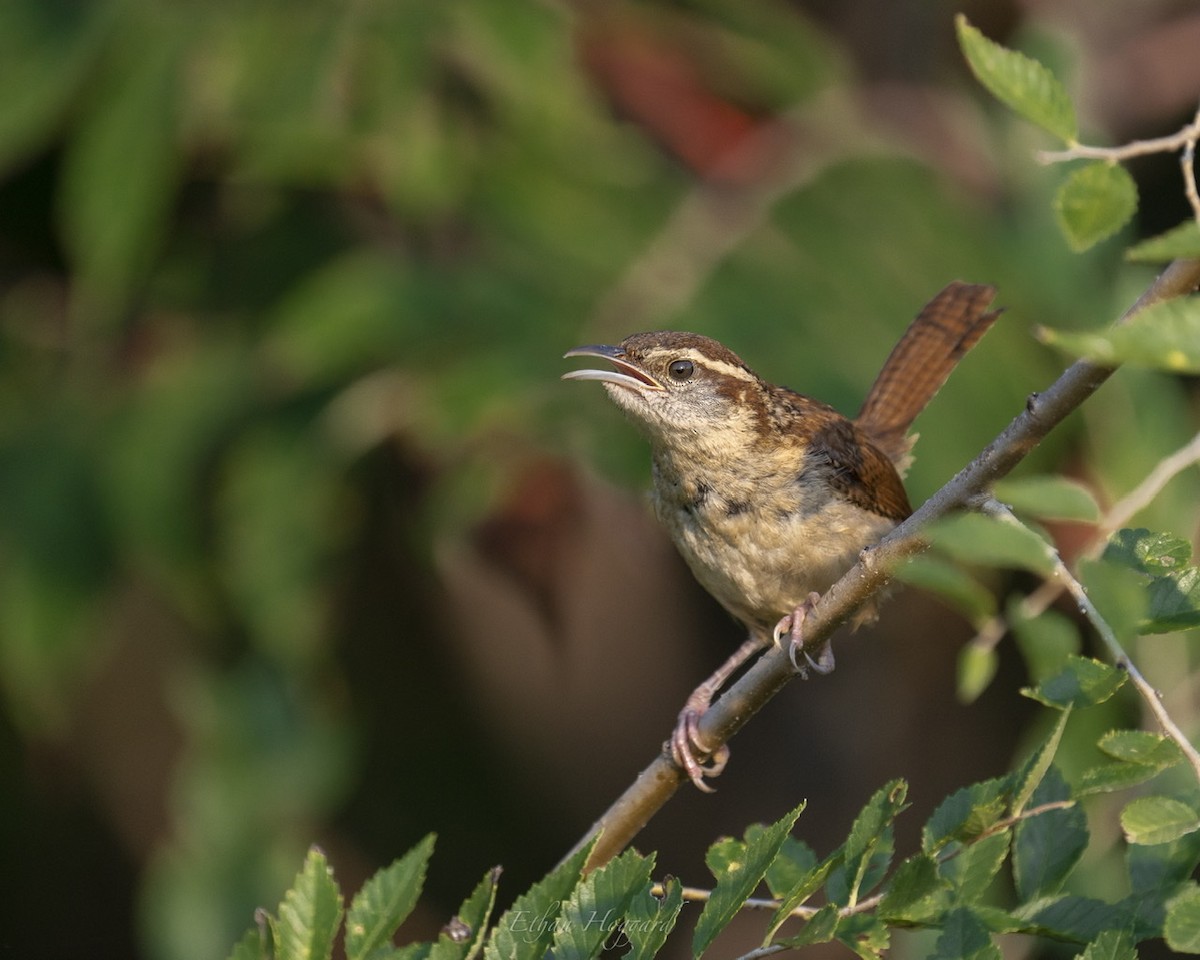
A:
[625, 375]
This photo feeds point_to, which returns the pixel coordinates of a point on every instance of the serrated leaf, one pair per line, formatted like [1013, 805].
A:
[1094, 202]
[1046, 641]
[964, 937]
[525, 930]
[821, 927]
[1047, 846]
[1110, 945]
[1156, 819]
[809, 884]
[868, 849]
[1178, 243]
[1182, 926]
[1083, 682]
[737, 879]
[1049, 498]
[1111, 777]
[1174, 601]
[972, 867]
[463, 937]
[1019, 81]
[1153, 870]
[252, 946]
[310, 913]
[966, 813]
[975, 538]
[950, 582]
[596, 906]
[1163, 336]
[650, 920]
[865, 934]
[795, 861]
[1118, 594]
[976, 669]
[1035, 769]
[1148, 551]
[386, 900]
[917, 892]
[1081, 919]
[1141, 747]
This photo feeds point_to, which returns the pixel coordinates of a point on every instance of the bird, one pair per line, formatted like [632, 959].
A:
[768, 494]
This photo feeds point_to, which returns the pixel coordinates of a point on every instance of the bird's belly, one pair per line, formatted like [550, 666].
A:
[761, 567]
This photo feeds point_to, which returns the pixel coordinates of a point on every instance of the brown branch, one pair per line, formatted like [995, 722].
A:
[772, 671]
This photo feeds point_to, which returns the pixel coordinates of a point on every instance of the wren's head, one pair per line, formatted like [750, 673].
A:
[678, 385]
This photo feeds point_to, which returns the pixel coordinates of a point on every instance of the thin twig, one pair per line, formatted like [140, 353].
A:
[1119, 515]
[1137, 148]
[1122, 659]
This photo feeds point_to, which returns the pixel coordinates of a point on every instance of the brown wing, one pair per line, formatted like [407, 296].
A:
[856, 469]
[946, 328]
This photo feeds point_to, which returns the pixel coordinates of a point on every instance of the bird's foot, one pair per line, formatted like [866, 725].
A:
[696, 758]
[791, 627]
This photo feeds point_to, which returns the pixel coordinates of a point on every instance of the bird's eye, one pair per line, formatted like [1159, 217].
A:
[681, 369]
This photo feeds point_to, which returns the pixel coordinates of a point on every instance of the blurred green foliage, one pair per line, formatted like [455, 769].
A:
[260, 260]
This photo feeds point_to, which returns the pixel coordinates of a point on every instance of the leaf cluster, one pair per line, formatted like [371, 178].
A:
[995, 858]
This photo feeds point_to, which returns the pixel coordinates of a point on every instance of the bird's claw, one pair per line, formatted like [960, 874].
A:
[687, 749]
[792, 627]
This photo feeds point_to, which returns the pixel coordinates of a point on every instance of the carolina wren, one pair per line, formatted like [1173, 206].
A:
[770, 495]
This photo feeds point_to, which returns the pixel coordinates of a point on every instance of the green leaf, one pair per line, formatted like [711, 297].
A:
[1178, 243]
[1049, 498]
[795, 861]
[1118, 594]
[966, 813]
[596, 906]
[1047, 846]
[1083, 682]
[976, 669]
[385, 901]
[1156, 819]
[464, 936]
[252, 946]
[950, 582]
[965, 937]
[1174, 602]
[650, 919]
[1019, 81]
[310, 913]
[1110, 945]
[869, 845]
[1141, 747]
[975, 538]
[973, 867]
[1148, 551]
[1038, 765]
[738, 872]
[1140, 755]
[1163, 336]
[113, 222]
[525, 930]
[1182, 927]
[821, 927]
[805, 887]
[917, 892]
[1094, 202]
[1081, 919]
[866, 934]
[1162, 867]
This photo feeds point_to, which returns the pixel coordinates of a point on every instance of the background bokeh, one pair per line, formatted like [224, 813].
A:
[302, 539]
